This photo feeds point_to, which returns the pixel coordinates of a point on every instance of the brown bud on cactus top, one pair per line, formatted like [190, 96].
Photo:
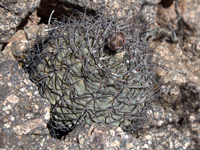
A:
[116, 41]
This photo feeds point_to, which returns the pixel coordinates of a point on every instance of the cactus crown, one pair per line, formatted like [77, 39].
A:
[93, 69]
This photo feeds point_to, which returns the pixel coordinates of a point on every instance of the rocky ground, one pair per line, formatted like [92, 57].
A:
[175, 123]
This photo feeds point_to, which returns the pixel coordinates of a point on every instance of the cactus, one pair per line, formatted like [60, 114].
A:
[93, 69]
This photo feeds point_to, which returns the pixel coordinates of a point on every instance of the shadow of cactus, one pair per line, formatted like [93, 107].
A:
[93, 69]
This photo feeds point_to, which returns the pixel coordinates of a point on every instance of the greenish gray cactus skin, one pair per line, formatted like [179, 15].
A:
[84, 80]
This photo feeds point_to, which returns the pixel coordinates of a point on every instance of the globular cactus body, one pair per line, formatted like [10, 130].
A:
[87, 79]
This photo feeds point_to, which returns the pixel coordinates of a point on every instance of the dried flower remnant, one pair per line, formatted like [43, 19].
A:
[93, 69]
